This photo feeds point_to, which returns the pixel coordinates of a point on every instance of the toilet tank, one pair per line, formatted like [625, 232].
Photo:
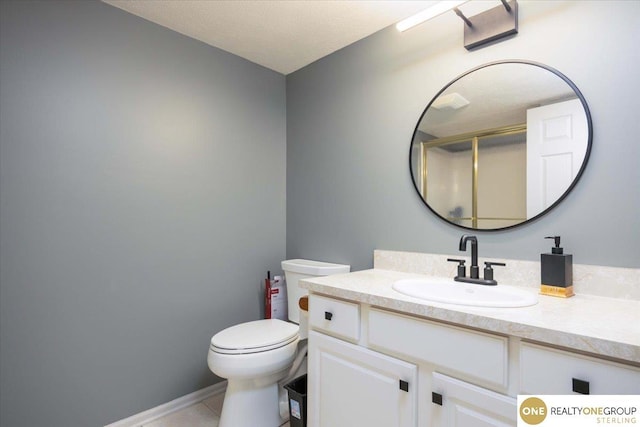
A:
[297, 269]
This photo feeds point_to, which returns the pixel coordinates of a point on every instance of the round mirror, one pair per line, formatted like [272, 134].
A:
[500, 145]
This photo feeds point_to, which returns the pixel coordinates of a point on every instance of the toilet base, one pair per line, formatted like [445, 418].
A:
[247, 404]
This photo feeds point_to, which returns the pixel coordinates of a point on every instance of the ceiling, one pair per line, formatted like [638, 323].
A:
[282, 35]
[491, 108]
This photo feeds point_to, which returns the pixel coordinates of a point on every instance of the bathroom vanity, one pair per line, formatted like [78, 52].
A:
[381, 358]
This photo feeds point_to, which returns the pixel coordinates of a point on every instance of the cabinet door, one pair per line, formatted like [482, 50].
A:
[352, 386]
[551, 371]
[460, 404]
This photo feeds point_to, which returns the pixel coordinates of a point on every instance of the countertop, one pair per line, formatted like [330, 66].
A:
[603, 326]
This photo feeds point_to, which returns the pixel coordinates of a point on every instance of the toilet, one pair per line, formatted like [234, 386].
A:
[256, 356]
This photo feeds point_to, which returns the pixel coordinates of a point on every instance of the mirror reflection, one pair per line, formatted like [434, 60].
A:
[500, 145]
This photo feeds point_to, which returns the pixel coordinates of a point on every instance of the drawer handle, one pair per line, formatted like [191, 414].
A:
[436, 398]
[404, 386]
[328, 315]
[580, 386]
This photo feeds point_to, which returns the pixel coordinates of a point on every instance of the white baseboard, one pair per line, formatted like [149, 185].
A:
[152, 414]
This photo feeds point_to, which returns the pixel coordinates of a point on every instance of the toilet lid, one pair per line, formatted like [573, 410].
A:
[258, 335]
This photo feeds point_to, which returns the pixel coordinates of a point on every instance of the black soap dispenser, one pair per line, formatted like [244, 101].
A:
[556, 270]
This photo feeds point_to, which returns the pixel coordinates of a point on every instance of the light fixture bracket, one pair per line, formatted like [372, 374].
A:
[491, 25]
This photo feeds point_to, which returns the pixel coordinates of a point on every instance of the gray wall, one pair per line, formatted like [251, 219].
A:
[350, 119]
[142, 184]
[142, 201]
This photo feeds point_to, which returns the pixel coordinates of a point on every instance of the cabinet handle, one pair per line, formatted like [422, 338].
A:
[580, 386]
[404, 386]
[328, 315]
[436, 398]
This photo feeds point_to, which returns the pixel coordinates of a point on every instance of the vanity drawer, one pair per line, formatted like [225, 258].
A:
[476, 355]
[335, 317]
[546, 370]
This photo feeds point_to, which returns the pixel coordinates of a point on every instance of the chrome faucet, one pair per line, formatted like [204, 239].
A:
[474, 270]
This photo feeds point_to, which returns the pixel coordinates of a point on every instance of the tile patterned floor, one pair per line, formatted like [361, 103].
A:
[202, 414]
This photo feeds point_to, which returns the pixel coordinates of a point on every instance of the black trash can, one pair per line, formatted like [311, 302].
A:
[297, 401]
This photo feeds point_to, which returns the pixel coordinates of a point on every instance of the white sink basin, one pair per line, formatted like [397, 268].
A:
[449, 291]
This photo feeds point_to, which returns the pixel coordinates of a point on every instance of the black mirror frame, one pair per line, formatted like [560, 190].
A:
[573, 183]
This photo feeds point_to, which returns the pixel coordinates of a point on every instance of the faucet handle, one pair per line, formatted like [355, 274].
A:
[488, 271]
[462, 270]
[490, 263]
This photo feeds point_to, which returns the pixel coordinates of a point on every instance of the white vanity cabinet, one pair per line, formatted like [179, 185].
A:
[371, 367]
[349, 385]
[448, 355]
[353, 386]
[364, 370]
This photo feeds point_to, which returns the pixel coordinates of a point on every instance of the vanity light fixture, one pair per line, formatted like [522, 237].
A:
[435, 10]
[479, 30]
[491, 25]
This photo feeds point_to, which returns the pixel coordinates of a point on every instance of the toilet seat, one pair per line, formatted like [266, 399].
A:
[254, 337]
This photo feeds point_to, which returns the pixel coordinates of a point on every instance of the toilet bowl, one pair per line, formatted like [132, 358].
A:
[255, 356]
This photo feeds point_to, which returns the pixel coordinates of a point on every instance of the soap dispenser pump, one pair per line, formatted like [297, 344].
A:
[556, 271]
